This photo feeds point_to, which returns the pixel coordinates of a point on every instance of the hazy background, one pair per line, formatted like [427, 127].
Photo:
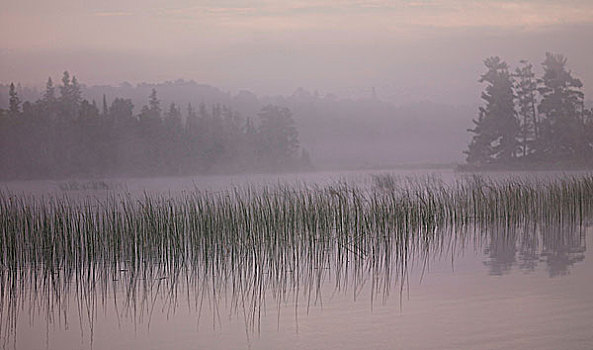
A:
[379, 78]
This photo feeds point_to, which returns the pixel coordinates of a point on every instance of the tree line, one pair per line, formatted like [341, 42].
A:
[531, 122]
[64, 135]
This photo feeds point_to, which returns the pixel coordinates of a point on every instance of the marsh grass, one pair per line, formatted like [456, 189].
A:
[240, 246]
[91, 185]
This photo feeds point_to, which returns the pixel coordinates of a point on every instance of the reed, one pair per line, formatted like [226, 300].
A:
[247, 242]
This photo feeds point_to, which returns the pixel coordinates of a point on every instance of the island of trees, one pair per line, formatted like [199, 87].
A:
[531, 123]
[63, 135]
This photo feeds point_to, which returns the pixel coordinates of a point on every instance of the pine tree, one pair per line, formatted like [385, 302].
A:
[480, 150]
[192, 119]
[105, 110]
[496, 129]
[278, 135]
[75, 92]
[562, 108]
[71, 96]
[154, 105]
[14, 102]
[66, 85]
[49, 97]
[588, 121]
[173, 117]
[121, 110]
[526, 91]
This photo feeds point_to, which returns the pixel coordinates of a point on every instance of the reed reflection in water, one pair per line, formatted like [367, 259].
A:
[233, 252]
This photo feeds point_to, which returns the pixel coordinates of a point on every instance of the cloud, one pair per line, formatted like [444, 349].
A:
[302, 42]
[378, 15]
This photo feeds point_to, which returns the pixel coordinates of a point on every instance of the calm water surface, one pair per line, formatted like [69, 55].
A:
[473, 298]
[525, 287]
[173, 185]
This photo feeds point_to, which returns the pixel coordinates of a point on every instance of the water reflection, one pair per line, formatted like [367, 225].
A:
[237, 253]
[216, 285]
[559, 247]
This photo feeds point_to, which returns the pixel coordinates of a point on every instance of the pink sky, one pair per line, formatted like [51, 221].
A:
[407, 49]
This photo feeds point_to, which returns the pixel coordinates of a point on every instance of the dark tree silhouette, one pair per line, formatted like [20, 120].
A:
[278, 135]
[69, 136]
[562, 109]
[526, 91]
[495, 131]
[14, 102]
[556, 132]
[49, 97]
[104, 111]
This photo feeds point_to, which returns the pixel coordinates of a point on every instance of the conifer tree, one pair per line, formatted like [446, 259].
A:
[75, 92]
[49, 97]
[278, 135]
[66, 85]
[192, 119]
[526, 91]
[154, 105]
[562, 108]
[14, 102]
[105, 110]
[173, 116]
[496, 129]
[67, 136]
[71, 96]
[121, 109]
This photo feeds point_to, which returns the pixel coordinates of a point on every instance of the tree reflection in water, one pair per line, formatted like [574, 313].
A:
[239, 251]
[557, 246]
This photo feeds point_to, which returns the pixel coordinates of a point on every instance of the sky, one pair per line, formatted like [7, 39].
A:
[409, 51]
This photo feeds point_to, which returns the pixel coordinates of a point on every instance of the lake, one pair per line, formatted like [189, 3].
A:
[497, 283]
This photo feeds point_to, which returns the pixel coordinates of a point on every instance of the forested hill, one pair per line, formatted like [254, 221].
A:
[63, 134]
[337, 133]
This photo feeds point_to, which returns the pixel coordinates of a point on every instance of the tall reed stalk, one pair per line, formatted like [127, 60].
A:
[248, 242]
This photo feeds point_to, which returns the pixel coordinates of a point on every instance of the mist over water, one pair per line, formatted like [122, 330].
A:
[399, 87]
[268, 265]
[307, 174]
